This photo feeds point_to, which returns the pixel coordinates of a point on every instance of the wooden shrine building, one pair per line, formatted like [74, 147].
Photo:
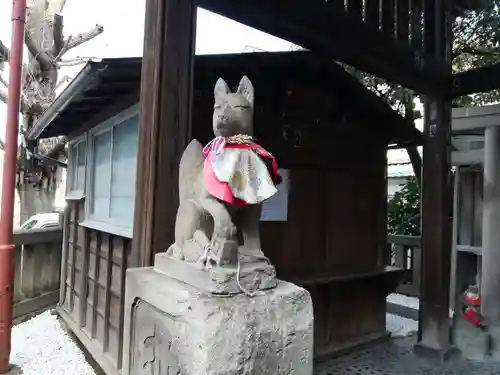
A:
[328, 130]
[311, 126]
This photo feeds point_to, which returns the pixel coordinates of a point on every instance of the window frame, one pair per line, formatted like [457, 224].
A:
[71, 192]
[90, 221]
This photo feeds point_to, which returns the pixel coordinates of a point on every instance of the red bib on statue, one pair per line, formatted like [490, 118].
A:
[239, 173]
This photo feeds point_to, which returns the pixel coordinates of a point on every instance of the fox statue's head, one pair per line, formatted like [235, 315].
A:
[233, 112]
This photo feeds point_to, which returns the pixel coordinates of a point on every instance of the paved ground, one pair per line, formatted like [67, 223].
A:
[41, 347]
[396, 358]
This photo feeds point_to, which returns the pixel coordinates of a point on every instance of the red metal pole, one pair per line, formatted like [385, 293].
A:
[9, 180]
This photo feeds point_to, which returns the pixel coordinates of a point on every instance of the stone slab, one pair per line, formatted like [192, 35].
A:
[174, 328]
[218, 280]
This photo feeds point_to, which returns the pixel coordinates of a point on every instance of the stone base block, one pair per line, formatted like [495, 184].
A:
[14, 370]
[440, 355]
[218, 280]
[174, 328]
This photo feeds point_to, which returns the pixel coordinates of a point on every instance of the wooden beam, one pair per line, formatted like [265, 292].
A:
[437, 194]
[323, 31]
[454, 238]
[473, 4]
[165, 116]
[403, 21]
[474, 81]
[323, 73]
[372, 13]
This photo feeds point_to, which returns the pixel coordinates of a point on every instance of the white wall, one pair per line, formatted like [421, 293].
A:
[34, 200]
[17, 203]
[394, 184]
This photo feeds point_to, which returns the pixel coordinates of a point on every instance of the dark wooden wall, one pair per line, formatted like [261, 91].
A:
[93, 286]
[327, 212]
[333, 244]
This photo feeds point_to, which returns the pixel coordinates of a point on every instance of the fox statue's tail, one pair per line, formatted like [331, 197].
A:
[190, 170]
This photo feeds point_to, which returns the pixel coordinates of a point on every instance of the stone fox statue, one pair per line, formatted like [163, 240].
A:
[222, 186]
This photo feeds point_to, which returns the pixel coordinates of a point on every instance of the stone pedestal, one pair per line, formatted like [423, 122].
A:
[174, 328]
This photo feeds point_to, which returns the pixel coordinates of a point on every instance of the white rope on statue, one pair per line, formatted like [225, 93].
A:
[205, 260]
[246, 291]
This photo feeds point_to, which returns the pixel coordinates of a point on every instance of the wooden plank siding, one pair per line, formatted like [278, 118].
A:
[37, 262]
[94, 287]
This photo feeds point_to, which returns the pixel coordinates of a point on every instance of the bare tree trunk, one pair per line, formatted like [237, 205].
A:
[46, 45]
[416, 162]
[415, 158]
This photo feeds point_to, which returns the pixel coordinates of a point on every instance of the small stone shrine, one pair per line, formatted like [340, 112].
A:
[212, 303]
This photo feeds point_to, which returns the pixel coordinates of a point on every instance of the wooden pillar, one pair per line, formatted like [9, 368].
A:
[454, 237]
[490, 277]
[165, 122]
[437, 194]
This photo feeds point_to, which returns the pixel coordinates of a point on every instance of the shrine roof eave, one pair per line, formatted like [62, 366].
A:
[337, 35]
[326, 28]
[102, 83]
[99, 84]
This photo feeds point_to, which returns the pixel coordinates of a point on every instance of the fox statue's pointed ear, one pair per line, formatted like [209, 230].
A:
[221, 89]
[246, 90]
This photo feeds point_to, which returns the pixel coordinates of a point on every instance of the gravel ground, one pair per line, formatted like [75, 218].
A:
[403, 300]
[40, 346]
[397, 325]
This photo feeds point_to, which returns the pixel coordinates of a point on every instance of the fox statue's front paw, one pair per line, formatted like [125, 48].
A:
[175, 252]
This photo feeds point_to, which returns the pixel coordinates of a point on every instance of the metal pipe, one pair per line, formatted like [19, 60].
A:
[9, 181]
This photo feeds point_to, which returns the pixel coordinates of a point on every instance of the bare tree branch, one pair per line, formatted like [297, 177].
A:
[415, 158]
[3, 81]
[74, 41]
[57, 30]
[55, 6]
[416, 162]
[63, 80]
[3, 96]
[4, 52]
[62, 4]
[42, 57]
[77, 61]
